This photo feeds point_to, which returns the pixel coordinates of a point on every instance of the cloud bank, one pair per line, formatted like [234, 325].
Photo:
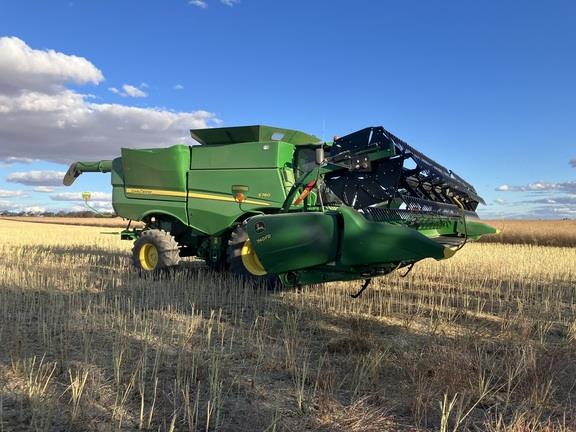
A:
[549, 200]
[568, 187]
[42, 119]
[36, 178]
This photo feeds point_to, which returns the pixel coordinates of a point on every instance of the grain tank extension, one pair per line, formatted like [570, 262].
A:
[269, 203]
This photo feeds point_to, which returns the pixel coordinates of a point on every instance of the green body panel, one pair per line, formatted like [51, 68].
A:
[365, 242]
[286, 242]
[133, 197]
[336, 243]
[139, 209]
[211, 206]
[156, 172]
[193, 184]
[268, 154]
[475, 229]
[257, 133]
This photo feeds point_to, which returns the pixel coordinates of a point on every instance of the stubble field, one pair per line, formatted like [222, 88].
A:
[483, 341]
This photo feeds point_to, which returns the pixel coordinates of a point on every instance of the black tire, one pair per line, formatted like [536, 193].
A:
[236, 266]
[155, 242]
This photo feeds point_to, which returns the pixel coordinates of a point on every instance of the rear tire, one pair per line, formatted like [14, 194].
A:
[155, 251]
[243, 261]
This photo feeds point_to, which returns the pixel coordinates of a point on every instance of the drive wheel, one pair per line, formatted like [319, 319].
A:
[154, 251]
[243, 261]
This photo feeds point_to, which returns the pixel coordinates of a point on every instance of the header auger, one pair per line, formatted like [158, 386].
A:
[268, 203]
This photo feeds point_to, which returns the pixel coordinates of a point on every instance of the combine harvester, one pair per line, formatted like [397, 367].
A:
[268, 203]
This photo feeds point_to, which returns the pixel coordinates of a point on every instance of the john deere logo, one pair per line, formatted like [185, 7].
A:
[259, 227]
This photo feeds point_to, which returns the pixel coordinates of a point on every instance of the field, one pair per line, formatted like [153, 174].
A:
[536, 232]
[113, 222]
[539, 232]
[484, 341]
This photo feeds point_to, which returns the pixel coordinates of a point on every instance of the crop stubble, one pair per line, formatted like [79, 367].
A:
[484, 341]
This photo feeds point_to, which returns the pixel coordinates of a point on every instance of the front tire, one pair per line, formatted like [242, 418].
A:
[243, 261]
[155, 251]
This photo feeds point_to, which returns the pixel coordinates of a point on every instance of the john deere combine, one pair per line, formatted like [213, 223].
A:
[268, 203]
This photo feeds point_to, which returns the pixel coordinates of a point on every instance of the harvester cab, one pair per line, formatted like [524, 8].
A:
[274, 204]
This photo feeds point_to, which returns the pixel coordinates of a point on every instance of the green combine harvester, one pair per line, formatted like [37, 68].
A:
[268, 203]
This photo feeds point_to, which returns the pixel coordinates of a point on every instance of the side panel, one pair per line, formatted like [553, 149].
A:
[137, 209]
[294, 241]
[267, 154]
[365, 242]
[265, 167]
[211, 205]
[156, 173]
[138, 205]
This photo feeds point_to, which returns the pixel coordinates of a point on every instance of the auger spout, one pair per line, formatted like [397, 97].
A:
[78, 168]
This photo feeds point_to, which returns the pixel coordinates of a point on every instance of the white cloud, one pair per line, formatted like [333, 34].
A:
[230, 2]
[7, 205]
[131, 91]
[200, 3]
[569, 187]
[12, 193]
[36, 178]
[22, 67]
[98, 205]
[77, 196]
[561, 199]
[11, 206]
[500, 201]
[40, 118]
[44, 189]
[16, 160]
[178, 87]
[555, 212]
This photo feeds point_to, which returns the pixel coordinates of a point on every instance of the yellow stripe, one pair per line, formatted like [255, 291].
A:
[141, 191]
[223, 198]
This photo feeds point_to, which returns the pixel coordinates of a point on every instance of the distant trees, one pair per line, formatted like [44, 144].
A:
[74, 214]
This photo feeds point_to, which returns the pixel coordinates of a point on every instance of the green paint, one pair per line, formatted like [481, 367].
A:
[249, 134]
[285, 242]
[163, 169]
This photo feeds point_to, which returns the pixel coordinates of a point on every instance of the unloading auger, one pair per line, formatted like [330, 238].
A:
[274, 204]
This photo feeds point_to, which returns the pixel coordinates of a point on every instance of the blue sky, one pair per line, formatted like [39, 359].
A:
[488, 89]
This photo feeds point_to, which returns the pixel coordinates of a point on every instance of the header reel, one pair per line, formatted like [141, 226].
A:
[404, 180]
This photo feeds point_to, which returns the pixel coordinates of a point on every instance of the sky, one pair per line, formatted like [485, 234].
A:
[487, 89]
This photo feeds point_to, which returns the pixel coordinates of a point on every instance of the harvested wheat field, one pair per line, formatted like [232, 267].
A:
[538, 232]
[112, 222]
[483, 341]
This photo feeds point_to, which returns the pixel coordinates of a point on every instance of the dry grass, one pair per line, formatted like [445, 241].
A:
[112, 222]
[483, 341]
[540, 232]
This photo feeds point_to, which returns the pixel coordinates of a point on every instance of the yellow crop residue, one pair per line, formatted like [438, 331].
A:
[485, 340]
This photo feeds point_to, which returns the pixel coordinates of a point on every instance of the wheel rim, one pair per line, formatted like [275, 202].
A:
[251, 261]
[148, 256]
